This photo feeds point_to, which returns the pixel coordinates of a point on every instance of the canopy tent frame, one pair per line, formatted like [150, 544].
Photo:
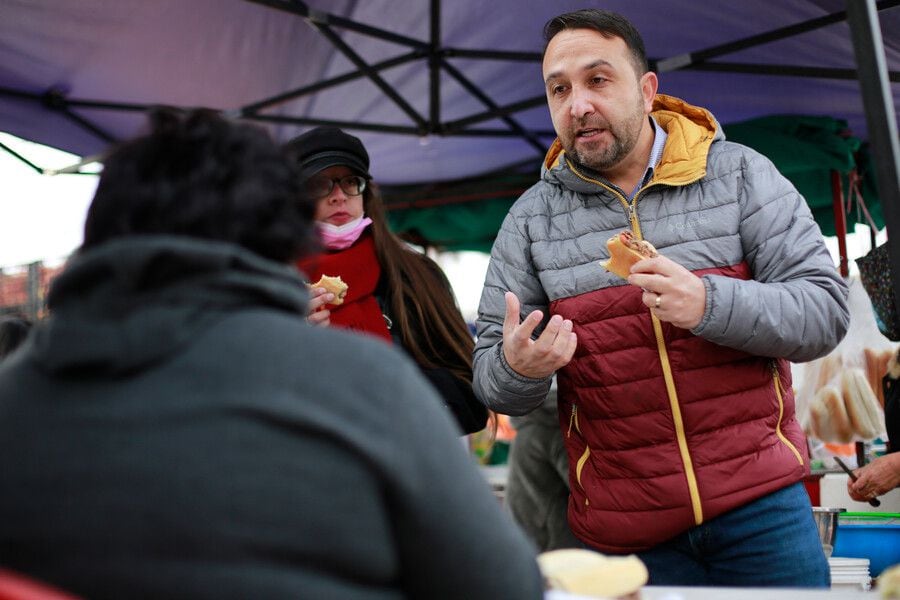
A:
[882, 122]
[438, 58]
[860, 16]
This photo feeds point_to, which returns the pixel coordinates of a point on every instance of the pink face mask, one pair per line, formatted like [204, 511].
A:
[338, 237]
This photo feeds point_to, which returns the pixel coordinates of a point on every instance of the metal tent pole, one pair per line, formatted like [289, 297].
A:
[881, 121]
[840, 222]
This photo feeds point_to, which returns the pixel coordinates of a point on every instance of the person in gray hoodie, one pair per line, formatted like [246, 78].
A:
[175, 428]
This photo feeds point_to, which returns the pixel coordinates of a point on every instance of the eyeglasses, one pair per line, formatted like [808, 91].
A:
[320, 186]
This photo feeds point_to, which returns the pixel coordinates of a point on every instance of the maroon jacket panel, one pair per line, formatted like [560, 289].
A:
[630, 483]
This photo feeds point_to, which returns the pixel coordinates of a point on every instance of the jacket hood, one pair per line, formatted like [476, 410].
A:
[690, 129]
[133, 301]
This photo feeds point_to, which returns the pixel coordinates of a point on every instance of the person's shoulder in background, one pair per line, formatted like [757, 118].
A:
[13, 331]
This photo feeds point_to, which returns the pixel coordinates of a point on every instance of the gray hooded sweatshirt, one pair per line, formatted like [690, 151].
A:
[175, 429]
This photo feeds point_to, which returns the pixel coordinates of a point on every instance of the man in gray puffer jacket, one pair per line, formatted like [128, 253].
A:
[675, 396]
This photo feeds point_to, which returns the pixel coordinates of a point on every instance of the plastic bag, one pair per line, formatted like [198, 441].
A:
[840, 398]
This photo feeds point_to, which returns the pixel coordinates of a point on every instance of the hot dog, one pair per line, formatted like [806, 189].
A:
[624, 251]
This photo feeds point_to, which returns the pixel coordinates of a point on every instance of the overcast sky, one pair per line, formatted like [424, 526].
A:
[41, 216]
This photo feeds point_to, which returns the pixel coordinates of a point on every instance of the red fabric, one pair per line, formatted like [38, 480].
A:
[632, 490]
[15, 586]
[358, 267]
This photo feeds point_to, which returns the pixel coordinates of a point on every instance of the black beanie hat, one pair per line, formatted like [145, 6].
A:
[324, 147]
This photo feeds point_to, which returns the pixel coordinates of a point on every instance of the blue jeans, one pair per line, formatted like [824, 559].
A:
[771, 542]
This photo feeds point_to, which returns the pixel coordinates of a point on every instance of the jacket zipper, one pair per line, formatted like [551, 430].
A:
[630, 207]
[579, 466]
[680, 436]
[674, 405]
[778, 431]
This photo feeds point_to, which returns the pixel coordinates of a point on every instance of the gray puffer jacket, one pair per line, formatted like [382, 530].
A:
[700, 210]
[652, 413]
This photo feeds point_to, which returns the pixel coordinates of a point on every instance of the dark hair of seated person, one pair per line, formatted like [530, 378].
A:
[197, 174]
[13, 331]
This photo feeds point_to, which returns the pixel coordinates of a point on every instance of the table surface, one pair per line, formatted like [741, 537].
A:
[710, 593]
[651, 592]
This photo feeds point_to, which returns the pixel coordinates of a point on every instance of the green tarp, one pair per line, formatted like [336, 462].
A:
[465, 215]
[806, 150]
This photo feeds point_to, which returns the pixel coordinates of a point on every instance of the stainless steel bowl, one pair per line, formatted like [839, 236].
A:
[827, 524]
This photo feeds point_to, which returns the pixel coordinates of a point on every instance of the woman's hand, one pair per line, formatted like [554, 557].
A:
[876, 478]
[318, 314]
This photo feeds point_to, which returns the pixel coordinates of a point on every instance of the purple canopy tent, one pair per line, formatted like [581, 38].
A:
[438, 91]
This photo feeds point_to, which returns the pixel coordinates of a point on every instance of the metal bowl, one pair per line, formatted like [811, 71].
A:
[827, 524]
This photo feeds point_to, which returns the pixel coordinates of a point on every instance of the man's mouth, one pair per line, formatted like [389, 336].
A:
[586, 133]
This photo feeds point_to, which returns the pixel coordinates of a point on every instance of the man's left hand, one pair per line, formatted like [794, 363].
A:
[672, 293]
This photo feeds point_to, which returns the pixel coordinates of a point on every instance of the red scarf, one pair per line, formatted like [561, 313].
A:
[358, 267]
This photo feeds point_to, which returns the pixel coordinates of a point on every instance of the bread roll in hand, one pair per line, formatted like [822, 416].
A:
[335, 285]
[624, 251]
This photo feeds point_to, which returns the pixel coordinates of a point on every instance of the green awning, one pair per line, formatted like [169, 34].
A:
[806, 149]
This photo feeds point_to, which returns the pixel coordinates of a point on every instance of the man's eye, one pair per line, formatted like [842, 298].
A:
[598, 80]
[558, 89]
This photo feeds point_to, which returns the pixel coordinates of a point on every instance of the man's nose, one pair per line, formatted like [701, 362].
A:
[580, 103]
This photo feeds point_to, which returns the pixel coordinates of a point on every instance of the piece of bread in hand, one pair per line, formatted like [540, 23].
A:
[861, 404]
[828, 416]
[589, 573]
[624, 251]
[335, 285]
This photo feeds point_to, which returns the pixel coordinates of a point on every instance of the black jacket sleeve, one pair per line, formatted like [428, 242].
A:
[457, 394]
[459, 398]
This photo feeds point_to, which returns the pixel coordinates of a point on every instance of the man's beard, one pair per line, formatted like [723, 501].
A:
[625, 136]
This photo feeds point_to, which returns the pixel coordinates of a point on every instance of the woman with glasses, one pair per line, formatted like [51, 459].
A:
[394, 292]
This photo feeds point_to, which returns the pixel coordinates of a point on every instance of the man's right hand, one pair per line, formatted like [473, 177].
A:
[541, 357]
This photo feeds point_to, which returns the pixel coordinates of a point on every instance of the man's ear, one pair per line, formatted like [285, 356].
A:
[649, 85]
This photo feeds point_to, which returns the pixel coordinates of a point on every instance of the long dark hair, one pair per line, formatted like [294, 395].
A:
[419, 298]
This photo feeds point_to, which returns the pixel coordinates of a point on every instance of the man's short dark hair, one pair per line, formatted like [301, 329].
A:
[199, 175]
[608, 24]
